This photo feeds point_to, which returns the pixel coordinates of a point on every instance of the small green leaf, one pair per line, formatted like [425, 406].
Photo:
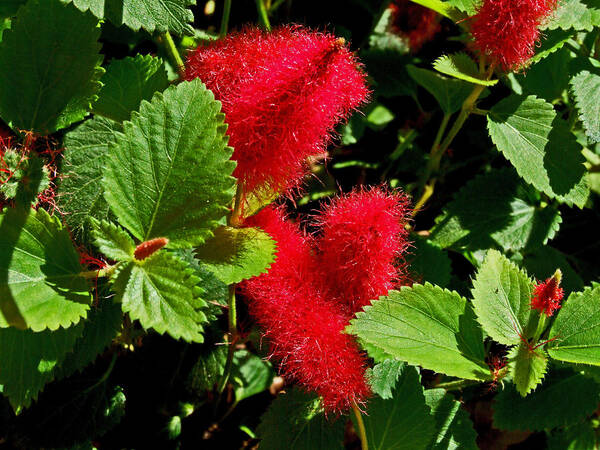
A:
[379, 116]
[25, 172]
[429, 262]
[576, 330]
[28, 360]
[426, 326]
[40, 286]
[403, 422]
[546, 407]
[208, 370]
[295, 421]
[540, 146]
[527, 367]
[126, 83]
[502, 297]
[112, 241]
[383, 377]
[236, 254]
[169, 173]
[453, 427]
[586, 90]
[83, 168]
[449, 93]
[250, 375]
[467, 6]
[575, 14]
[461, 66]
[162, 294]
[50, 59]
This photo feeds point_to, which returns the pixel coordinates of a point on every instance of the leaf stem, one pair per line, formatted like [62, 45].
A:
[263, 17]
[225, 18]
[362, 432]
[456, 385]
[232, 318]
[101, 273]
[174, 55]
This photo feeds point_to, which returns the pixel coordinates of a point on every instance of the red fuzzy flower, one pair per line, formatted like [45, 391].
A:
[417, 23]
[283, 92]
[548, 295]
[148, 248]
[295, 302]
[507, 30]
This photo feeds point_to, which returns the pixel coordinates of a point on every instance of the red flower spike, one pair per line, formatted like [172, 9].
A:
[283, 92]
[305, 330]
[548, 295]
[148, 248]
[363, 236]
[417, 23]
[507, 30]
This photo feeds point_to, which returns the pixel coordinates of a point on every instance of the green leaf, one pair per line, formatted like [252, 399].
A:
[554, 40]
[126, 83]
[501, 298]
[576, 14]
[162, 294]
[449, 93]
[151, 15]
[540, 146]
[549, 78]
[403, 422]
[236, 254]
[112, 241]
[379, 116]
[169, 173]
[461, 66]
[295, 421]
[429, 262]
[50, 59]
[543, 263]
[83, 168]
[576, 330]
[250, 375]
[527, 367]
[40, 286]
[208, 370]
[28, 360]
[383, 377]
[23, 176]
[467, 6]
[426, 326]
[454, 429]
[585, 87]
[577, 437]
[496, 209]
[546, 407]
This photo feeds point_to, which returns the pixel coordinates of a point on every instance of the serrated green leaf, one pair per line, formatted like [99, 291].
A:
[496, 209]
[23, 176]
[540, 146]
[208, 370]
[80, 190]
[576, 14]
[527, 367]
[585, 87]
[449, 93]
[50, 59]
[383, 377]
[295, 421]
[577, 437]
[548, 79]
[250, 375]
[576, 330]
[162, 294]
[151, 15]
[543, 262]
[546, 407]
[403, 422]
[169, 174]
[501, 298]
[429, 262]
[112, 241]
[28, 360]
[461, 66]
[426, 326]
[236, 254]
[467, 6]
[126, 83]
[453, 427]
[40, 286]
[554, 40]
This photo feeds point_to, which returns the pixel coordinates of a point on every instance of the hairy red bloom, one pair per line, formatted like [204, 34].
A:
[283, 92]
[299, 302]
[507, 30]
[548, 295]
[148, 248]
[363, 236]
[417, 23]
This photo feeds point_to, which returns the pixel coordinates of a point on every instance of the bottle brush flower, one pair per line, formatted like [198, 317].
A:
[548, 295]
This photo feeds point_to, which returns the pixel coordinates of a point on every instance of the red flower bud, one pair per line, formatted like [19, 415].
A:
[148, 248]
[548, 295]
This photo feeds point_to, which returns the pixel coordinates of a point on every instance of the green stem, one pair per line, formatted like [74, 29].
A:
[225, 18]
[174, 55]
[456, 385]
[106, 373]
[232, 318]
[263, 17]
[102, 273]
[362, 432]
